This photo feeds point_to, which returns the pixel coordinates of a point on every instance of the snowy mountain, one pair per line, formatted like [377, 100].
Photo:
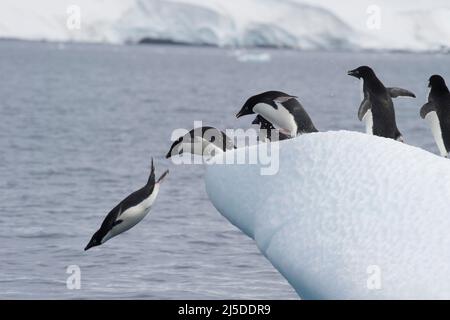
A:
[304, 24]
[344, 224]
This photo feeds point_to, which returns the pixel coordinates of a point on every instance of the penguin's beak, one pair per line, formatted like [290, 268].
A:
[354, 73]
[244, 111]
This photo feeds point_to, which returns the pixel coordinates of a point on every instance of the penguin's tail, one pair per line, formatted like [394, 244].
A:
[163, 176]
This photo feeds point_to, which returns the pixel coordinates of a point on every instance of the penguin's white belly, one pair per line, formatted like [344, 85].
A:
[133, 215]
[281, 118]
[435, 126]
[368, 120]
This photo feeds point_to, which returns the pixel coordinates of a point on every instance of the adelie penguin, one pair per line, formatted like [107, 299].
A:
[203, 141]
[437, 112]
[129, 211]
[281, 110]
[377, 107]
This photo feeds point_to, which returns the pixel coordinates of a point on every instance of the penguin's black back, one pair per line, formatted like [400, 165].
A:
[304, 122]
[213, 135]
[383, 112]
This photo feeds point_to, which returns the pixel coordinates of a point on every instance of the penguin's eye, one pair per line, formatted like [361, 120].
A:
[213, 139]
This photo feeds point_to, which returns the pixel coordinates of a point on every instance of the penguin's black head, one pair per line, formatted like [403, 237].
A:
[361, 72]
[268, 97]
[247, 108]
[436, 81]
[174, 145]
[95, 241]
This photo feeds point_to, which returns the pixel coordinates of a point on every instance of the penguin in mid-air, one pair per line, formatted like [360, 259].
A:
[129, 211]
[437, 112]
[268, 129]
[281, 110]
[203, 141]
[377, 107]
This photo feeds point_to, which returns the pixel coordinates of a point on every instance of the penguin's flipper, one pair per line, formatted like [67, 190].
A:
[163, 176]
[427, 108]
[397, 92]
[363, 108]
[117, 222]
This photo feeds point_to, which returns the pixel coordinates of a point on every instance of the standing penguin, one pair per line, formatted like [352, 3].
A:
[282, 110]
[437, 112]
[377, 107]
[129, 211]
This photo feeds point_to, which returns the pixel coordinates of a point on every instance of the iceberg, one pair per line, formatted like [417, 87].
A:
[348, 215]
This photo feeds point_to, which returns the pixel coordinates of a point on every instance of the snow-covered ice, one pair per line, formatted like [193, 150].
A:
[421, 25]
[348, 216]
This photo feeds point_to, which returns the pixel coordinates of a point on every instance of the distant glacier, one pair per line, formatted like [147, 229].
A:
[299, 24]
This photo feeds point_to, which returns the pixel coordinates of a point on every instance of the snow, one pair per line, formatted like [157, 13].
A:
[348, 216]
[305, 24]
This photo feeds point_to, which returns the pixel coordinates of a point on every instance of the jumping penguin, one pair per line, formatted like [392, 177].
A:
[204, 141]
[437, 112]
[377, 107]
[129, 211]
[282, 110]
